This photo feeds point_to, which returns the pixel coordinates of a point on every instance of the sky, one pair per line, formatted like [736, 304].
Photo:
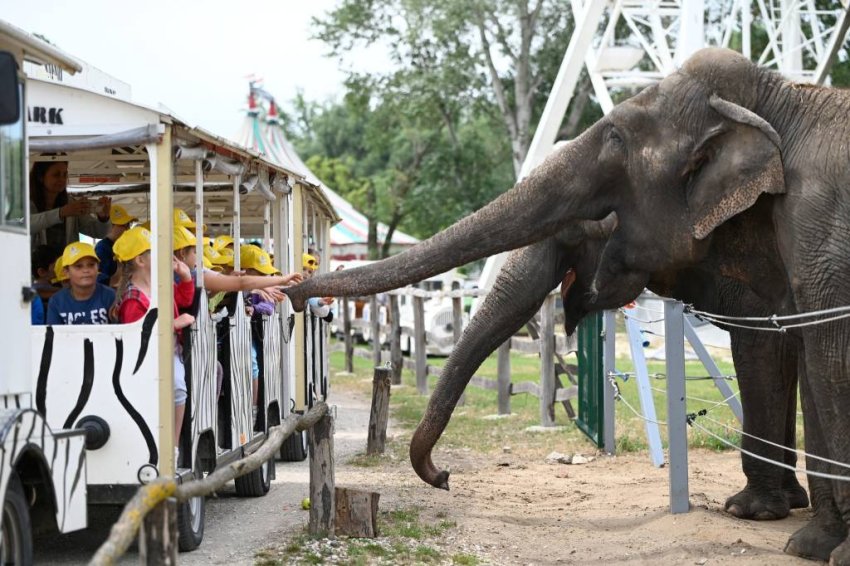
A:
[194, 57]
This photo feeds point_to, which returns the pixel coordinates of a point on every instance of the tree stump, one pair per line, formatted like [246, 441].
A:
[356, 512]
[322, 482]
[380, 413]
[158, 535]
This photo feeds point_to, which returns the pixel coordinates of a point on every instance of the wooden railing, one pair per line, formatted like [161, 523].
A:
[550, 389]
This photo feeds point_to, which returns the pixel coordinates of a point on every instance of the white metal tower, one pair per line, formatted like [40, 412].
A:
[802, 42]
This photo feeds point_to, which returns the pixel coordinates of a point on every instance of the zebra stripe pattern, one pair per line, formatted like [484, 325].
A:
[240, 375]
[203, 385]
[64, 458]
[272, 362]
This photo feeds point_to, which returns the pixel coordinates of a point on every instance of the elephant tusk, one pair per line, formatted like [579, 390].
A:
[600, 229]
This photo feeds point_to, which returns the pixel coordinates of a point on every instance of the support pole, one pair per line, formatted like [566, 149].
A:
[677, 433]
[419, 344]
[380, 412]
[375, 321]
[547, 362]
[713, 371]
[158, 535]
[609, 361]
[395, 341]
[322, 481]
[647, 403]
[349, 339]
[457, 329]
[503, 370]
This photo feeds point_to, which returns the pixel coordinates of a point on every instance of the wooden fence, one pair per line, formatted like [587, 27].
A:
[550, 389]
[154, 507]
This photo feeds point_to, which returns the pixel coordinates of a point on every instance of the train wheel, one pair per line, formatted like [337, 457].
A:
[191, 516]
[256, 483]
[17, 534]
[294, 448]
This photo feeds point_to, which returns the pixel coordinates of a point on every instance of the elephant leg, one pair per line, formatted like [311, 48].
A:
[826, 530]
[527, 277]
[766, 364]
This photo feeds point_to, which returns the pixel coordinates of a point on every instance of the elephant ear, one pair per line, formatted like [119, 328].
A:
[731, 166]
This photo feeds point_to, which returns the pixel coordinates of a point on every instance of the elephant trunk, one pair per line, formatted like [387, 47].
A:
[535, 208]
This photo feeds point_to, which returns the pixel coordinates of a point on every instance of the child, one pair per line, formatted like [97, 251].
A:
[132, 250]
[120, 219]
[84, 301]
[319, 306]
[43, 263]
[257, 262]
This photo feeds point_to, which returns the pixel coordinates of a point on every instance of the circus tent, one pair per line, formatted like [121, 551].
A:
[262, 132]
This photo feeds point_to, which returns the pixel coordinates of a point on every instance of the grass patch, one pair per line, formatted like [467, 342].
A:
[465, 559]
[363, 460]
[404, 540]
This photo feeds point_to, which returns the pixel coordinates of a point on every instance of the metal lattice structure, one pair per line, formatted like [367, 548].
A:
[629, 44]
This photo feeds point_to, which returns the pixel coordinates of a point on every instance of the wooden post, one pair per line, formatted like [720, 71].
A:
[419, 344]
[504, 375]
[395, 341]
[375, 323]
[349, 339]
[380, 413]
[356, 512]
[322, 482]
[547, 362]
[158, 536]
[457, 328]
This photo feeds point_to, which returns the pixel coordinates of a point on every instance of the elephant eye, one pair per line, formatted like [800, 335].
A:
[615, 138]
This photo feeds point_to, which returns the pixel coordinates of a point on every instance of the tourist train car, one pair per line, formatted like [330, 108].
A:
[111, 386]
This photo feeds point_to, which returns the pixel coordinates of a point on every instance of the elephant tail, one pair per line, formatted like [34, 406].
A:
[420, 457]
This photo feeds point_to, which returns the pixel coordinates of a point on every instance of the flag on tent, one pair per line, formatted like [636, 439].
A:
[262, 132]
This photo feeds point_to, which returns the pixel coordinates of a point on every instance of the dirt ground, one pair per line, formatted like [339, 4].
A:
[506, 508]
[513, 508]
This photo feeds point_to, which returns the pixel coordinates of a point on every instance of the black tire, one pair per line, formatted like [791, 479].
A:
[256, 483]
[191, 516]
[294, 448]
[17, 531]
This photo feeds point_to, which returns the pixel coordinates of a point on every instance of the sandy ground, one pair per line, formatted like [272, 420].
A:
[510, 508]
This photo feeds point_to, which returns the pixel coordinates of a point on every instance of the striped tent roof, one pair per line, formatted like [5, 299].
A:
[262, 132]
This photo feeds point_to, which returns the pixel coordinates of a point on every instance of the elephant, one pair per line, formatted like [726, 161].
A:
[721, 164]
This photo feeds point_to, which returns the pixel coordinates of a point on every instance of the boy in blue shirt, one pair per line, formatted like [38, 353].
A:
[84, 301]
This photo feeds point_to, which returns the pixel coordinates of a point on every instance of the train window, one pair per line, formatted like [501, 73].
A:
[12, 173]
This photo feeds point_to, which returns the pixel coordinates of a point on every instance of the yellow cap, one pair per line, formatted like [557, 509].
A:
[309, 262]
[59, 271]
[119, 216]
[76, 251]
[253, 257]
[132, 243]
[183, 238]
[207, 263]
[225, 257]
[222, 242]
[182, 219]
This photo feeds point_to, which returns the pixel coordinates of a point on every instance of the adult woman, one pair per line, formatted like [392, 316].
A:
[55, 219]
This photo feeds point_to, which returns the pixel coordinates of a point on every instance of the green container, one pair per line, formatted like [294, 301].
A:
[591, 379]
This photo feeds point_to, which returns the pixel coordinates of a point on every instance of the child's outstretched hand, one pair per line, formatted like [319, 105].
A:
[181, 269]
[293, 278]
[183, 321]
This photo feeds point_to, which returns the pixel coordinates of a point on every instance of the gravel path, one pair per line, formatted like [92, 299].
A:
[235, 528]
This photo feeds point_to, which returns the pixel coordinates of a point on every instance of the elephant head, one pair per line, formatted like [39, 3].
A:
[674, 163]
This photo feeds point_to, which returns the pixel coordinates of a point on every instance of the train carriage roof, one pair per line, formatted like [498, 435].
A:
[104, 140]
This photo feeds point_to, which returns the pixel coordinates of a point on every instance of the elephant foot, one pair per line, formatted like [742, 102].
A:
[820, 540]
[796, 496]
[760, 505]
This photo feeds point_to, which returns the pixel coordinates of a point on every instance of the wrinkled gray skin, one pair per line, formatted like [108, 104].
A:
[720, 160]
